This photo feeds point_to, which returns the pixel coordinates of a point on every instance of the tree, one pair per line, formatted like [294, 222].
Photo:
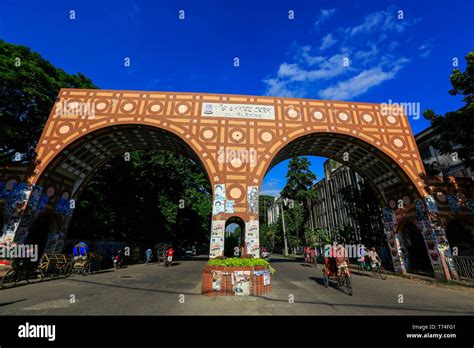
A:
[156, 196]
[455, 128]
[299, 180]
[300, 188]
[29, 86]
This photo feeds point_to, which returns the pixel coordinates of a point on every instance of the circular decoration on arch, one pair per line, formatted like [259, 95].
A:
[72, 106]
[237, 135]
[182, 108]
[266, 136]
[368, 118]
[391, 119]
[343, 116]
[236, 162]
[292, 112]
[64, 129]
[155, 107]
[398, 142]
[101, 104]
[235, 192]
[128, 106]
[318, 115]
[208, 133]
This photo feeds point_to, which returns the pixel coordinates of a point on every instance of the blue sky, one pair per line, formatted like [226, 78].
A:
[405, 59]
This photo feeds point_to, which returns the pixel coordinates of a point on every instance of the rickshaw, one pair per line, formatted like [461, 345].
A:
[85, 262]
[21, 269]
[55, 264]
[342, 277]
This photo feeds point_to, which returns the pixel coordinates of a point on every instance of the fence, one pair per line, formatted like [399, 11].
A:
[464, 267]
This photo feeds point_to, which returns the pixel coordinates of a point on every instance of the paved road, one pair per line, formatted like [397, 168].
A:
[153, 289]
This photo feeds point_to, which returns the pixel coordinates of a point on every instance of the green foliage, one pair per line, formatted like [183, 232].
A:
[27, 95]
[299, 180]
[156, 196]
[238, 262]
[318, 236]
[269, 236]
[455, 128]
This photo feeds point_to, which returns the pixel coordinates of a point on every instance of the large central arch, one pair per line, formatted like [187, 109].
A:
[236, 138]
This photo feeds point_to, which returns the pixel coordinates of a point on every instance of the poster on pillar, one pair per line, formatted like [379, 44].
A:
[51, 243]
[18, 198]
[218, 205]
[22, 230]
[43, 202]
[6, 189]
[252, 238]
[35, 197]
[10, 228]
[252, 199]
[216, 247]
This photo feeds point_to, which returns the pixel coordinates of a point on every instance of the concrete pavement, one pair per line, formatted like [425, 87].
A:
[296, 290]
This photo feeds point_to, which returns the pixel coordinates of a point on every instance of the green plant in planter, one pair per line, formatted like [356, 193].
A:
[238, 262]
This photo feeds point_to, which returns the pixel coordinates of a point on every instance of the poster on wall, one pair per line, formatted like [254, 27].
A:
[218, 207]
[241, 281]
[19, 196]
[43, 202]
[35, 197]
[229, 207]
[219, 192]
[22, 230]
[216, 280]
[216, 247]
[51, 243]
[217, 238]
[431, 204]
[252, 199]
[6, 189]
[266, 277]
[218, 228]
[251, 229]
[10, 228]
[63, 206]
[253, 247]
[453, 203]
[420, 211]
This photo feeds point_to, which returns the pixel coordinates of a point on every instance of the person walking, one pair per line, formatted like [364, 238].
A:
[148, 255]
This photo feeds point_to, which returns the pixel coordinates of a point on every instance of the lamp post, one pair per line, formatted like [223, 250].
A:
[285, 251]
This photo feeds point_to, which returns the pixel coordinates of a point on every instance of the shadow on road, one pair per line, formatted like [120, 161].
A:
[11, 302]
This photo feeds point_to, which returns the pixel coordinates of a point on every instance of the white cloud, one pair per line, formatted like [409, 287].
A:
[362, 82]
[371, 46]
[324, 16]
[356, 85]
[327, 42]
[425, 49]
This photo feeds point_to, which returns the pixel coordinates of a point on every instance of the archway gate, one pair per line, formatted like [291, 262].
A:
[236, 138]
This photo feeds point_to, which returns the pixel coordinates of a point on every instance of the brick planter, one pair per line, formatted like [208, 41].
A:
[256, 286]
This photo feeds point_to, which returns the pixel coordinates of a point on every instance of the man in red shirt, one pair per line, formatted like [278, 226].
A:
[169, 255]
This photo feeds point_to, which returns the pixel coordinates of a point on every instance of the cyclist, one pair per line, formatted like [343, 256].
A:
[341, 259]
[374, 258]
